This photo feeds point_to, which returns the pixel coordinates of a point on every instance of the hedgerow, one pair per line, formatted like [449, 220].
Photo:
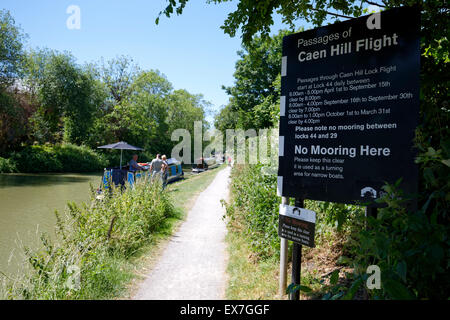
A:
[409, 246]
[254, 208]
[57, 158]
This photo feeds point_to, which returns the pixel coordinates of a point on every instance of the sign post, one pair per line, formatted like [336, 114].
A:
[297, 260]
[296, 269]
[349, 108]
[283, 258]
[298, 225]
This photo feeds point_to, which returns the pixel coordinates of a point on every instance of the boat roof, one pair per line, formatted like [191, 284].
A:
[172, 161]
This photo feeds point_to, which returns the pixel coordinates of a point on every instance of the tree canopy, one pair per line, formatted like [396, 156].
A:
[254, 97]
[47, 97]
[253, 17]
[11, 58]
[11, 49]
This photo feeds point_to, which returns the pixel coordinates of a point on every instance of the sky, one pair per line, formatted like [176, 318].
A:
[191, 49]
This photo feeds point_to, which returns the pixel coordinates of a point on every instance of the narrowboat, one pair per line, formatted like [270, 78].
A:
[204, 164]
[120, 177]
[175, 171]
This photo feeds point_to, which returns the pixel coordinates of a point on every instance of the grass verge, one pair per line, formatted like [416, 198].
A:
[100, 245]
[253, 242]
[249, 279]
[185, 192]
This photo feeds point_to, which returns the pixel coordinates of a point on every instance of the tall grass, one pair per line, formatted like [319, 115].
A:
[90, 256]
[253, 208]
[254, 244]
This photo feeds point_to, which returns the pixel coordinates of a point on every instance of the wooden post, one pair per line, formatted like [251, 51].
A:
[371, 212]
[283, 258]
[297, 260]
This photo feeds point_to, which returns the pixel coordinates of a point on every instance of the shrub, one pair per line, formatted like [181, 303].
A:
[37, 159]
[58, 158]
[410, 247]
[254, 208]
[79, 158]
[7, 165]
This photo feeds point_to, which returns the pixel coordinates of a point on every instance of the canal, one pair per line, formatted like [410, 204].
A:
[27, 205]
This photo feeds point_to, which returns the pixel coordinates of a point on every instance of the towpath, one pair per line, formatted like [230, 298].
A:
[193, 265]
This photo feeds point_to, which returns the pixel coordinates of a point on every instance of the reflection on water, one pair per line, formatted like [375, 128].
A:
[19, 180]
[27, 204]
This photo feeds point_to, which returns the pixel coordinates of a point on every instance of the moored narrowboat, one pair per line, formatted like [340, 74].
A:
[120, 176]
[204, 164]
[175, 171]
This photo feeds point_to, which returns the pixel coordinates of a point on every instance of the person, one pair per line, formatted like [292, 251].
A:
[165, 171]
[155, 166]
[134, 166]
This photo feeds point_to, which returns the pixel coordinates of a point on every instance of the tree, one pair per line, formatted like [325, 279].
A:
[13, 118]
[11, 49]
[140, 117]
[184, 109]
[150, 92]
[148, 111]
[225, 119]
[66, 94]
[253, 17]
[118, 75]
[256, 91]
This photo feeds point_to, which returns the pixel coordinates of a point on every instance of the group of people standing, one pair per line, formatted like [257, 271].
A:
[158, 168]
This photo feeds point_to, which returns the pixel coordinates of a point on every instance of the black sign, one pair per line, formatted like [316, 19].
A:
[349, 108]
[297, 224]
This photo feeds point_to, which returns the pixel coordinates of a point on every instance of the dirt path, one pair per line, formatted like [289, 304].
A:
[193, 264]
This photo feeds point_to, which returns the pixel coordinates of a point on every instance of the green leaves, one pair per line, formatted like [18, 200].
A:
[255, 94]
[94, 104]
[67, 97]
[446, 162]
[11, 38]
[57, 158]
[256, 17]
[292, 288]
[401, 270]
[408, 247]
[255, 208]
[396, 290]
[334, 277]
[356, 285]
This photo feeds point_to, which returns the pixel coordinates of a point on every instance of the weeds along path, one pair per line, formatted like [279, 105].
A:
[193, 265]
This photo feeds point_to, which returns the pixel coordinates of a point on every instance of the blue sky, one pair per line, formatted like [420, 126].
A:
[191, 49]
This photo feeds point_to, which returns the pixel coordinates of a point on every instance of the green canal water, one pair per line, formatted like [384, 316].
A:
[27, 205]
